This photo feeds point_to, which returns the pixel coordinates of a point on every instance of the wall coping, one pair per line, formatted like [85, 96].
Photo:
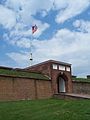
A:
[46, 62]
[81, 81]
[13, 76]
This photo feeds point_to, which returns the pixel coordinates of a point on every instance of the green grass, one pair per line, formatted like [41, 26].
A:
[23, 74]
[81, 79]
[51, 109]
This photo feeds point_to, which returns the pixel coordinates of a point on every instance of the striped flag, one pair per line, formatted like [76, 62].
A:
[34, 29]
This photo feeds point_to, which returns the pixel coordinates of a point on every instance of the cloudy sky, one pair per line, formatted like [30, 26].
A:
[63, 32]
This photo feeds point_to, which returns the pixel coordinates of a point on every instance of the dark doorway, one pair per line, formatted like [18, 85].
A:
[61, 85]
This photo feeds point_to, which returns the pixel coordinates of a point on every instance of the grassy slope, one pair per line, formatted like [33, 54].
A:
[81, 79]
[22, 74]
[51, 109]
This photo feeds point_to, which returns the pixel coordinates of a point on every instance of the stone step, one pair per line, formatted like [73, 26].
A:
[71, 96]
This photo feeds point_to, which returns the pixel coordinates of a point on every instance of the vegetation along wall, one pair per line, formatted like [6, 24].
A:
[18, 85]
[81, 86]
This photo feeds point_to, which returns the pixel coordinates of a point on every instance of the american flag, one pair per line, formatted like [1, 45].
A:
[34, 29]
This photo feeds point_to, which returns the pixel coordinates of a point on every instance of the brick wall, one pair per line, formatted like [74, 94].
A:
[43, 68]
[14, 88]
[81, 87]
[67, 77]
[43, 89]
[47, 69]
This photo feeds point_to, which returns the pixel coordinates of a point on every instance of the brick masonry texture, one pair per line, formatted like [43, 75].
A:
[47, 69]
[81, 87]
[25, 88]
[14, 88]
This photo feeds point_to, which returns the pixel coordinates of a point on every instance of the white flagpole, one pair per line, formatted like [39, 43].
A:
[34, 28]
[31, 59]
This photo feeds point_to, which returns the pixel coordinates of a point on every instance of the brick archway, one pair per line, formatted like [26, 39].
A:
[62, 83]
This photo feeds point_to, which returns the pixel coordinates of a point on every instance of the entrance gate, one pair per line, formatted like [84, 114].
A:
[61, 85]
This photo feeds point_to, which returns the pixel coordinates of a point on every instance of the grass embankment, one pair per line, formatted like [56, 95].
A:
[51, 109]
[19, 73]
[81, 79]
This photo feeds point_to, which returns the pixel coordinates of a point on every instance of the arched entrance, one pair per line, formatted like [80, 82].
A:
[61, 85]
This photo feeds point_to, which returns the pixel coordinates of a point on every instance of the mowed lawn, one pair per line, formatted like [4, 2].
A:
[50, 109]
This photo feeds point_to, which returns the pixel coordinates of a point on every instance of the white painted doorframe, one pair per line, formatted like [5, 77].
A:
[62, 87]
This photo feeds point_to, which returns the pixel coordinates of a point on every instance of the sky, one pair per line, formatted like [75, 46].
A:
[63, 33]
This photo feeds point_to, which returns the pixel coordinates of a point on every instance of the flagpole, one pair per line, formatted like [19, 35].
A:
[34, 29]
[31, 59]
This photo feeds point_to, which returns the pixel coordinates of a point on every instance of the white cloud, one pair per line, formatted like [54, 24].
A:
[22, 59]
[7, 17]
[17, 56]
[77, 23]
[27, 8]
[33, 5]
[67, 8]
[19, 34]
[81, 25]
[24, 14]
[43, 13]
[64, 45]
[70, 9]
[23, 43]
[68, 46]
